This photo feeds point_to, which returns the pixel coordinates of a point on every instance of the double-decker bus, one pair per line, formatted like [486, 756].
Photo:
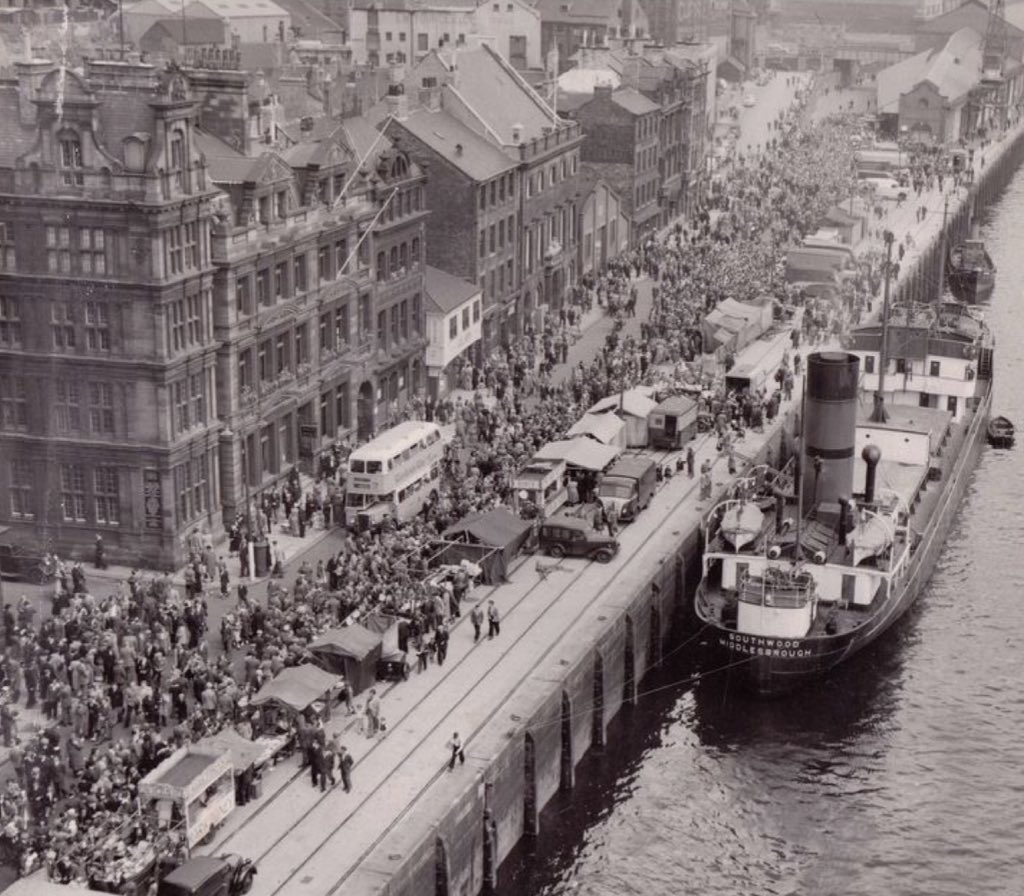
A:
[393, 474]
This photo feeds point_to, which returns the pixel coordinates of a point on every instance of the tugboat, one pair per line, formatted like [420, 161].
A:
[970, 272]
[805, 566]
[1000, 432]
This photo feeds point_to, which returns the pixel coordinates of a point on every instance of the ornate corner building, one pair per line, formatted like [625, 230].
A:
[192, 301]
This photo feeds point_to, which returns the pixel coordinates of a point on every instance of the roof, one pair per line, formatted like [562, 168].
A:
[676, 404]
[194, 872]
[605, 428]
[243, 751]
[635, 402]
[633, 101]
[584, 80]
[364, 140]
[446, 291]
[246, 9]
[15, 139]
[225, 164]
[498, 96]
[350, 640]
[579, 10]
[497, 527]
[479, 159]
[952, 70]
[188, 32]
[309, 20]
[296, 686]
[583, 453]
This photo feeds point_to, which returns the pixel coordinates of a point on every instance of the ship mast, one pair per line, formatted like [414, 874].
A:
[878, 414]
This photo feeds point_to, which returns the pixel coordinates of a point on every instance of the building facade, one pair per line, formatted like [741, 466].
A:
[189, 312]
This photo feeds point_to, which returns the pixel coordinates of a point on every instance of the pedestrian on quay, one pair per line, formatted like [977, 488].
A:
[691, 460]
[345, 763]
[476, 616]
[99, 553]
[493, 620]
[455, 745]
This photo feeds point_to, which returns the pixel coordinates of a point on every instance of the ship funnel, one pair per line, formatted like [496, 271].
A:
[871, 454]
[830, 427]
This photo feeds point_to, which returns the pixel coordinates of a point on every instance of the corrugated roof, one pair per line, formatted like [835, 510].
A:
[442, 132]
[633, 101]
[245, 9]
[446, 291]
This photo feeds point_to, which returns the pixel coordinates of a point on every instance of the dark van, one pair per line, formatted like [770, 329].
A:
[227, 875]
[569, 536]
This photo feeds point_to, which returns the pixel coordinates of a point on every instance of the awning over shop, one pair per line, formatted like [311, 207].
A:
[584, 454]
[296, 687]
[608, 429]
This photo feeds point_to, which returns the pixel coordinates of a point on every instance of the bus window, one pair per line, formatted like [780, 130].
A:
[374, 466]
[357, 466]
[355, 499]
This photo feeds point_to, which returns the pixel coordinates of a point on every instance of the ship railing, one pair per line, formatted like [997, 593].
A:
[777, 588]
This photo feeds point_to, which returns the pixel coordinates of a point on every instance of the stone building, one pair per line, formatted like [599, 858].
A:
[187, 311]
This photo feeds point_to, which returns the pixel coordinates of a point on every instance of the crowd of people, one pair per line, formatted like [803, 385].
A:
[125, 678]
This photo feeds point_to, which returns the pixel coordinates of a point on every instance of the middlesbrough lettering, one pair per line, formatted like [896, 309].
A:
[764, 646]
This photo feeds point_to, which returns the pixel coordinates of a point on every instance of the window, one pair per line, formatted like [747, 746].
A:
[191, 487]
[301, 353]
[191, 253]
[243, 296]
[422, 43]
[382, 266]
[934, 368]
[71, 160]
[483, 242]
[453, 326]
[245, 369]
[280, 280]
[465, 318]
[501, 234]
[323, 263]
[494, 192]
[7, 256]
[364, 317]
[21, 489]
[197, 388]
[67, 406]
[393, 266]
[326, 343]
[101, 408]
[340, 256]
[476, 312]
[178, 160]
[382, 329]
[417, 314]
[282, 354]
[263, 287]
[10, 322]
[92, 256]
[483, 198]
[176, 322]
[62, 325]
[281, 201]
[263, 361]
[13, 403]
[403, 319]
[414, 251]
[263, 209]
[58, 250]
[491, 241]
[72, 488]
[394, 324]
[341, 326]
[401, 36]
[105, 496]
[97, 327]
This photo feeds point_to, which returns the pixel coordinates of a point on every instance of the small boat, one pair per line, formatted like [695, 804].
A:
[1000, 433]
[970, 272]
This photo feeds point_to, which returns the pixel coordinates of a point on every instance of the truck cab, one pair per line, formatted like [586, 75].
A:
[628, 486]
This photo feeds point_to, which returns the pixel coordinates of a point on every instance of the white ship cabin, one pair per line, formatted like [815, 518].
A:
[937, 354]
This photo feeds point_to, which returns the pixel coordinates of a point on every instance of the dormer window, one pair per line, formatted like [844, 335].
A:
[71, 159]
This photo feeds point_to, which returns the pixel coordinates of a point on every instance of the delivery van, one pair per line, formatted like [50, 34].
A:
[628, 486]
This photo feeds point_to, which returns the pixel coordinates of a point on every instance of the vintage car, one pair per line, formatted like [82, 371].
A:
[226, 875]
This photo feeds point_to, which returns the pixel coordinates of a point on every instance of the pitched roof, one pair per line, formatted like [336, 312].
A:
[497, 95]
[479, 159]
[952, 69]
[225, 164]
[310, 21]
[446, 291]
[187, 32]
[633, 101]
[578, 10]
[245, 9]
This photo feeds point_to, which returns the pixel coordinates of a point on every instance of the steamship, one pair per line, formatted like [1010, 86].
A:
[806, 565]
[970, 272]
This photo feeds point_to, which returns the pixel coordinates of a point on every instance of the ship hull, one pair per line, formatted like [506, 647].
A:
[970, 285]
[773, 667]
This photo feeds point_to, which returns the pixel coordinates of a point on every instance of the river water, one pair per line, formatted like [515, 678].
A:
[901, 775]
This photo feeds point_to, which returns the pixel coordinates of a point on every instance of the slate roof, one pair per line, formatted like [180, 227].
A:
[447, 292]
[193, 32]
[633, 101]
[480, 160]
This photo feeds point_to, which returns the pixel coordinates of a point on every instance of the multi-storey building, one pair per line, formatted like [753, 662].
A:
[622, 145]
[507, 189]
[187, 313]
[567, 25]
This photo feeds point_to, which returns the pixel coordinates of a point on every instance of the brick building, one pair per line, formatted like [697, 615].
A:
[187, 312]
[514, 228]
[622, 145]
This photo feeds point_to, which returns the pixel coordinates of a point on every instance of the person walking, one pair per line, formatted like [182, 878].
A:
[476, 616]
[493, 620]
[455, 745]
[345, 763]
[690, 461]
[441, 643]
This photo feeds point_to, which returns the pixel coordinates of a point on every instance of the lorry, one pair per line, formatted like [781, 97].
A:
[628, 486]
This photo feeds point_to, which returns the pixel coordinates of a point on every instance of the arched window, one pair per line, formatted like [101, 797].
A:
[71, 158]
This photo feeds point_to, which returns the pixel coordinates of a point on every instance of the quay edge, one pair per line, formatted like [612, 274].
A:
[454, 840]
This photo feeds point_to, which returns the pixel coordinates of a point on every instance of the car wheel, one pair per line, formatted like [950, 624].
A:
[245, 884]
[557, 551]
[603, 555]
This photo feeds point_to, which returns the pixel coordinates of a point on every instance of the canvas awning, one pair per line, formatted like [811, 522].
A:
[585, 454]
[635, 402]
[244, 753]
[351, 651]
[608, 429]
[502, 531]
[296, 687]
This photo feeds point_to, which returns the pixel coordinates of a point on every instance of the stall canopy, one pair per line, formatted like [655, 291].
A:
[351, 651]
[736, 324]
[244, 753]
[634, 406]
[296, 687]
[498, 531]
[608, 429]
[584, 454]
[808, 264]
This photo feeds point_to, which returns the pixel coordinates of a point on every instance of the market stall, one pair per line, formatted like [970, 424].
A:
[193, 788]
[248, 758]
[495, 537]
[296, 690]
[352, 651]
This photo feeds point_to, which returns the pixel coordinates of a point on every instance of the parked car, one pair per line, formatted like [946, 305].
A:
[569, 536]
[17, 562]
[886, 188]
[226, 875]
